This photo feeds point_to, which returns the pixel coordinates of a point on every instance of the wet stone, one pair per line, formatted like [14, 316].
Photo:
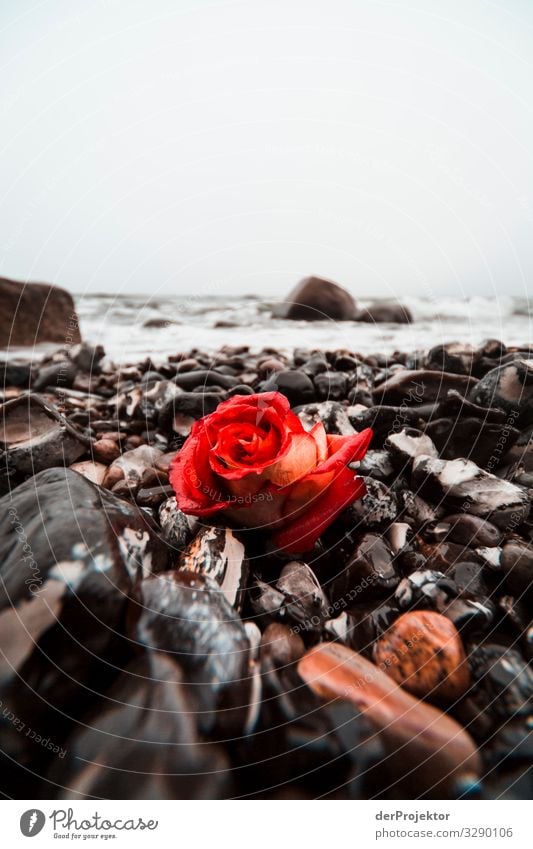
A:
[470, 617]
[469, 530]
[517, 565]
[331, 385]
[304, 600]
[502, 682]
[127, 752]
[510, 387]
[203, 378]
[464, 485]
[190, 405]
[407, 444]
[267, 602]
[281, 644]
[153, 496]
[62, 608]
[420, 386]
[332, 415]
[425, 589]
[35, 436]
[217, 553]
[295, 385]
[480, 441]
[379, 506]
[377, 464]
[177, 529]
[453, 357]
[369, 573]
[315, 365]
[186, 615]
[384, 419]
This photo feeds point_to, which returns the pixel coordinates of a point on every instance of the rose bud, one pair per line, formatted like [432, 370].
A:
[423, 652]
[252, 461]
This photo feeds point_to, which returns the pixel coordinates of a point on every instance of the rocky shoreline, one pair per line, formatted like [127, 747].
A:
[151, 655]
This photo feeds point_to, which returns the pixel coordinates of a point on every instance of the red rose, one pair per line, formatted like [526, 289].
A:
[252, 460]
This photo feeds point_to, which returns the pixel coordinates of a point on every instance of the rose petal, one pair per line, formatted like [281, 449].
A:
[197, 490]
[300, 536]
[318, 432]
[344, 450]
[297, 463]
[268, 413]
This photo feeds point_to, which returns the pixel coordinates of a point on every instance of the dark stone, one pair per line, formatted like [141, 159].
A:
[465, 486]
[420, 386]
[424, 590]
[217, 553]
[240, 389]
[469, 617]
[177, 529]
[70, 556]
[192, 405]
[316, 299]
[36, 436]
[15, 372]
[59, 375]
[86, 357]
[517, 565]
[345, 362]
[186, 615]
[383, 419]
[190, 380]
[457, 406]
[502, 684]
[483, 442]
[36, 312]
[332, 415]
[281, 644]
[470, 530]
[331, 385]
[160, 323]
[304, 600]
[369, 573]
[408, 443]
[390, 312]
[454, 357]
[315, 365]
[267, 602]
[153, 496]
[143, 743]
[510, 387]
[295, 385]
[378, 507]
[470, 579]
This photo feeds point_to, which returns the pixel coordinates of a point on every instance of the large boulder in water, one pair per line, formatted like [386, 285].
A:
[317, 299]
[36, 312]
[387, 311]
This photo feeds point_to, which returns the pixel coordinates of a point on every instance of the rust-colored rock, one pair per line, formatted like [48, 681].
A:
[105, 451]
[281, 644]
[429, 751]
[36, 312]
[423, 652]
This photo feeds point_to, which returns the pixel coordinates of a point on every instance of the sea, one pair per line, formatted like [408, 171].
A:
[132, 328]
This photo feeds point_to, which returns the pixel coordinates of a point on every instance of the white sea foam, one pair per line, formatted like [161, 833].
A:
[191, 322]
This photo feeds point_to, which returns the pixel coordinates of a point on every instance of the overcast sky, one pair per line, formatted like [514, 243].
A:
[203, 145]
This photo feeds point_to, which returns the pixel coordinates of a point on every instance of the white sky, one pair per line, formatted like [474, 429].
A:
[202, 145]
